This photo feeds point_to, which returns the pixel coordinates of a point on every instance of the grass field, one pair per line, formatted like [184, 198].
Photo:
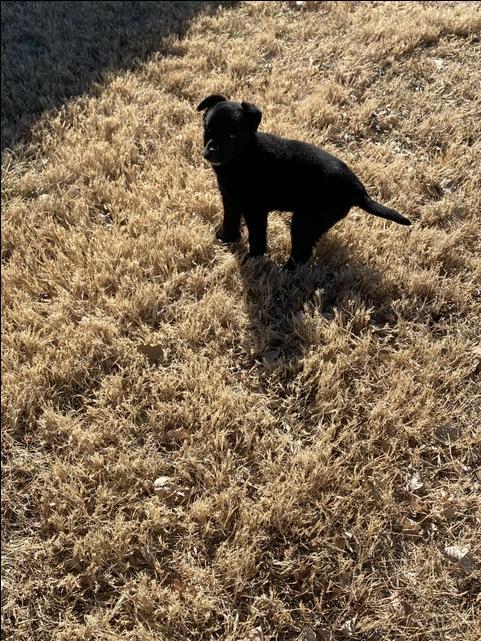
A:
[316, 436]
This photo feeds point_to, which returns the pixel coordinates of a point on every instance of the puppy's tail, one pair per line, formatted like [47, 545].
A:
[371, 206]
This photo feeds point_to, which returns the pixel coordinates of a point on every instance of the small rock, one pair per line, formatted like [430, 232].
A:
[414, 483]
[448, 185]
[164, 487]
[301, 4]
[178, 435]
[459, 555]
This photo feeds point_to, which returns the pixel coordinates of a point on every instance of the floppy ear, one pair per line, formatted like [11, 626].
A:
[253, 114]
[210, 101]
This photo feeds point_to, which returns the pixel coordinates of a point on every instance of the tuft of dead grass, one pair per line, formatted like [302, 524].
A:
[318, 434]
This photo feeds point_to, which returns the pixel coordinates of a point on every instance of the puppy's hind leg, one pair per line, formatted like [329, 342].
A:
[306, 229]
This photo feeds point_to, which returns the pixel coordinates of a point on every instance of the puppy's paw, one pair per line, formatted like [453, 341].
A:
[251, 255]
[293, 264]
[290, 266]
[226, 239]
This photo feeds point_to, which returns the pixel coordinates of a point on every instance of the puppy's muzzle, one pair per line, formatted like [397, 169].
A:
[211, 151]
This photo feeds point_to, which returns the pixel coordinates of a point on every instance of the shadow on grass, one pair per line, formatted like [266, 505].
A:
[276, 301]
[52, 51]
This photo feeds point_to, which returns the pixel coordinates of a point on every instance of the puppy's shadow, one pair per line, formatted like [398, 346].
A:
[280, 303]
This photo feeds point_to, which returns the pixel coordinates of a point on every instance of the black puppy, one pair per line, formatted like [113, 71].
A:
[258, 173]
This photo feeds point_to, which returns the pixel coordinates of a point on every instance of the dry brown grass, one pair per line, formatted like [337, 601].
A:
[321, 454]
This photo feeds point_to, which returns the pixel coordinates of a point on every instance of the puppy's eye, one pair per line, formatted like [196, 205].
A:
[232, 136]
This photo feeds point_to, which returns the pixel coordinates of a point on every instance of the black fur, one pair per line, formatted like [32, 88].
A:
[258, 173]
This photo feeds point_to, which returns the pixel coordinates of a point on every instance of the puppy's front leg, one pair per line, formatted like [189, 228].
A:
[230, 231]
[257, 227]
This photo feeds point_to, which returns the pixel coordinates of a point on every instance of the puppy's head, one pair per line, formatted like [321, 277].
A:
[228, 127]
